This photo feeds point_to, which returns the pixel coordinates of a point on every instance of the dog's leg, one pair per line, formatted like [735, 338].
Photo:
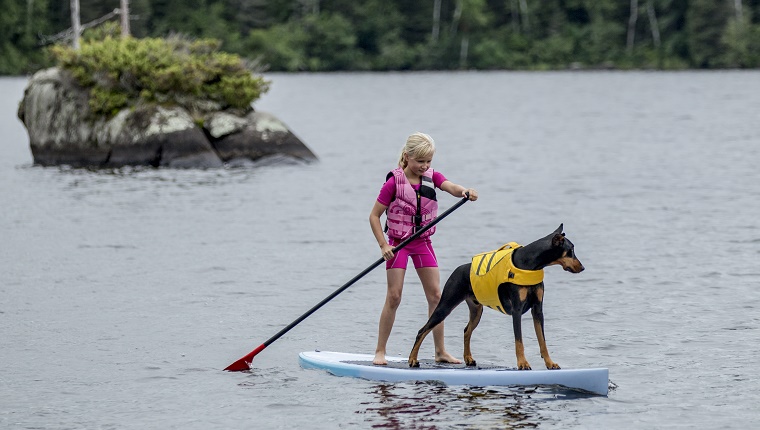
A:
[413, 361]
[538, 323]
[522, 362]
[439, 314]
[513, 299]
[476, 311]
[454, 293]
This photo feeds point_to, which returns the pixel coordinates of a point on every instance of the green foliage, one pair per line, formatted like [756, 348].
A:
[107, 29]
[705, 22]
[316, 42]
[123, 72]
[741, 40]
[326, 35]
[378, 26]
[20, 22]
[281, 46]
[556, 49]
[507, 50]
[330, 43]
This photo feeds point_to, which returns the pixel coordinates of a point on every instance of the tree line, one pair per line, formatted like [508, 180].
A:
[333, 35]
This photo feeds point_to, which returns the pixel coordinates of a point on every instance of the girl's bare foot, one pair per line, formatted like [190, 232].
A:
[445, 357]
[380, 359]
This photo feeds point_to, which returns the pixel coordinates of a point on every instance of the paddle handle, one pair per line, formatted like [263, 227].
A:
[242, 364]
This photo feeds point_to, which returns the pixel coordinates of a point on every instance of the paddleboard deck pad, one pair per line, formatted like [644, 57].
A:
[398, 370]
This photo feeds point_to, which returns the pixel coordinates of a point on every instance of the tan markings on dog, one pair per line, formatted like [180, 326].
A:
[413, 362]
[522, 363]
[475, 314]
[523, 293]
[540, 338]
[571, 263]
[542, 346]
[540, 294]
[467, 337]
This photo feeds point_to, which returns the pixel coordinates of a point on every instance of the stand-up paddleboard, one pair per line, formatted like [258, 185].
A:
[398, 370]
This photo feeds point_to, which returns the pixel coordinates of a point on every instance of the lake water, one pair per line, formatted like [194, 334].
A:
[123, 294]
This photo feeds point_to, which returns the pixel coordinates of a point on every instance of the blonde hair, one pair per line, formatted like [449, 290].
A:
[417, 145]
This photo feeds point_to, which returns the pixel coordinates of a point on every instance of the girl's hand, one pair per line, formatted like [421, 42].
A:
[387, 251]
[472, 192]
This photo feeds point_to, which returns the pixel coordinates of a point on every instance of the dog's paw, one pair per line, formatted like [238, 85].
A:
[414, 363]
[523, 366]
[552, 366]
[469, 361]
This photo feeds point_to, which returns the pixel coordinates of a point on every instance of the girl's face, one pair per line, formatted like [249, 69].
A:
[418, 165]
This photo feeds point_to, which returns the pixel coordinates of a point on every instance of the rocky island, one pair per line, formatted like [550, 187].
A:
[151, 102]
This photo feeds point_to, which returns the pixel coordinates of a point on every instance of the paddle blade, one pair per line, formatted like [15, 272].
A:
[239, 365]
[245, 362]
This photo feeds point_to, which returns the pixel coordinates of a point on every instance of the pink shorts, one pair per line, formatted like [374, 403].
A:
[421, 251]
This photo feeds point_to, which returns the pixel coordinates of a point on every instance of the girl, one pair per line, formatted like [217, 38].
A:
[409, 201]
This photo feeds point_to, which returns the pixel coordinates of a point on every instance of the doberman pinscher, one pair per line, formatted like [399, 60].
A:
[513, 295]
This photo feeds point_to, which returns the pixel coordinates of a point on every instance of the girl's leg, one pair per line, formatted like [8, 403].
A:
[388, 315]
[431, 283]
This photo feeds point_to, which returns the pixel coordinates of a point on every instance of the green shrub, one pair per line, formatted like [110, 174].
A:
[124, 72]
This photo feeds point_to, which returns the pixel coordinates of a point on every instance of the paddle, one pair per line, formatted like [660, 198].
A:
[245, 362]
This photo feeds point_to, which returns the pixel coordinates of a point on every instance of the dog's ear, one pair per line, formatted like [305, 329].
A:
[558, 240]
[559, 229]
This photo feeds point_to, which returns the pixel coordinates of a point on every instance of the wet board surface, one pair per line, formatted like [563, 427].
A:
[593, 380]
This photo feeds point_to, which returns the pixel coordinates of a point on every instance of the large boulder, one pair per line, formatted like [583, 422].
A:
[62, 131]
[157, 136]
[232, 142]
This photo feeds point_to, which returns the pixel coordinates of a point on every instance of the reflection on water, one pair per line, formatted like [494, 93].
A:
[431, 405]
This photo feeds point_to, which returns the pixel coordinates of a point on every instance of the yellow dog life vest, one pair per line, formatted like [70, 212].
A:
[493, 268]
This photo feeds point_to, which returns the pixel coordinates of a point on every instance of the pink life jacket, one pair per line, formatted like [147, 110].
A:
[403, 217]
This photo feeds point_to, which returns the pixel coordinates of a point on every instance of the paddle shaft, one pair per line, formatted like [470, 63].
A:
[238, 365]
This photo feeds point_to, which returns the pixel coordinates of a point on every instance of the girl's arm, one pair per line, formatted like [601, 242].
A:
[457, 190]
[377, 230]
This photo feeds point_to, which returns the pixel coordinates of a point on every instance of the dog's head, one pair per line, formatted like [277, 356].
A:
[567, 258]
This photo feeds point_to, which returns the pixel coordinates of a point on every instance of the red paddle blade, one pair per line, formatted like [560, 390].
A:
[239, 366]
[245, 362]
